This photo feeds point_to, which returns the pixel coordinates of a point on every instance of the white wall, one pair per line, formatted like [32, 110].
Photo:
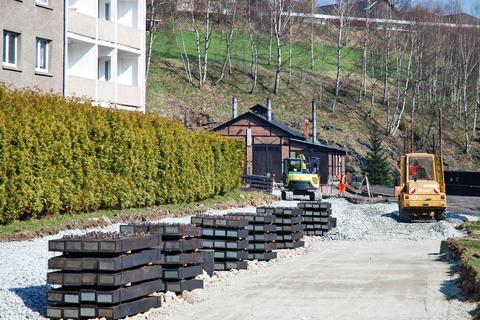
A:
[82, 60]
[88, 7]
[128, 13]
[127, 70]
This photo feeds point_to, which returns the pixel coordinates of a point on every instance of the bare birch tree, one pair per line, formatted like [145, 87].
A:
[343, 9]
[280, 11]
[230, 12]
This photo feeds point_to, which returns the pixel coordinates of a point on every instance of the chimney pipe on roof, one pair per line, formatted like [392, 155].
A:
[234, 107]
[314, 121]
[269, 109]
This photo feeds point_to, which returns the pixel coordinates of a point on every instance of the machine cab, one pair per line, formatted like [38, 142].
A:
[420, 171]
[300, 165]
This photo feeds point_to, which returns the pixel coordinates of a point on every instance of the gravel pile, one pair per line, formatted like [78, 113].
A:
[378, 222]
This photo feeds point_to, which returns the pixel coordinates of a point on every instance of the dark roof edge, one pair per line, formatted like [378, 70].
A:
[289, 131]
[319, 145]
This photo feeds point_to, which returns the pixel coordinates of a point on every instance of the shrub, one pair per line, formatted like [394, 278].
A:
[60, 156]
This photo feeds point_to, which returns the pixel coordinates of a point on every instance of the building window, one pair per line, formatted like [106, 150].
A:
[10, 48]
[104, 10]
[107, 70]
[41, 58]
[43, 2]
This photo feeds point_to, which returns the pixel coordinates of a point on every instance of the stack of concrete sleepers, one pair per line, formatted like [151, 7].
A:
[181, 260]
[104, 275]
[289, 228]
[227, 236]
[317, 217]
[261, 235]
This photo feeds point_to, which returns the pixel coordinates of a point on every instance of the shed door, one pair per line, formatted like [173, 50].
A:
[323, 156]
[267, 158]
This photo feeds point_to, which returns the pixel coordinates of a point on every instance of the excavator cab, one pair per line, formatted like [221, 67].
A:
[421, 191]
[301, 177]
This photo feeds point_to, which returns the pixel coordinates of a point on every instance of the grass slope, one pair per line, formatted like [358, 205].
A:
[170, 94]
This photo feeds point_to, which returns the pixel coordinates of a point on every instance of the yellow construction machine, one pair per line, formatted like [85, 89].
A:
[421, 191]
[301, 177]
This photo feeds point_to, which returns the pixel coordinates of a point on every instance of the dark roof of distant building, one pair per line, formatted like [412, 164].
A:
[461, 18]
[376, 8]
[260, 112]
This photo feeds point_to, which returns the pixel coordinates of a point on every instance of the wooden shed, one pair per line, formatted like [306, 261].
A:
[268, 142]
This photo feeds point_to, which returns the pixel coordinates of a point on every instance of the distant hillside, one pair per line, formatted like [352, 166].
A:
[170, 94]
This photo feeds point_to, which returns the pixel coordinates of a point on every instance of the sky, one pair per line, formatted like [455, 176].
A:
[467, 5]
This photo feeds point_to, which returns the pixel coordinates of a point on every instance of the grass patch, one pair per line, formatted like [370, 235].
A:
[22, 230]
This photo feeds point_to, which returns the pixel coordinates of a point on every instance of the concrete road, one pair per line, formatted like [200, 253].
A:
[337, 280]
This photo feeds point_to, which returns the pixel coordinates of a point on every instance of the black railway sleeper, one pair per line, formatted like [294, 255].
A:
[290, 245]
[167, 230]
[182, 272]
[183, 285]
[254, 218]
[262, 256]
[180, 259]
[332, 222]
[263, 228]
[314, 232]
[315, 220]
[314, 205]
[289, 236]
[261, 246]
[225, 244]
[312, 213]
[209, 233]
[208, 261]
[262, 237]
[96, 296]
[230, 255]
[104, 278]
[290, 228]
[230, 265]
[288, 220]
[109, 312]
[280, 211]
[229, 222]
[182, 245]
[69, 262]
[105, 243]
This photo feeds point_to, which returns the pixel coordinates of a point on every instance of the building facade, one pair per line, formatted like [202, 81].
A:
[31, 49]
[268, 142]
[105, 58]
[91, 49]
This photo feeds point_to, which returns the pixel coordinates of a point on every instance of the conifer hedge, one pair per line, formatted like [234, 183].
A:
[60, 156]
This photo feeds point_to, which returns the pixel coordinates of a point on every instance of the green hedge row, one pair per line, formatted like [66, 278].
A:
[61, 156]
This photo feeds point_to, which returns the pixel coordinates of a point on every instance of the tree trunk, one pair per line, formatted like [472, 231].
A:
[228, 42]
[312, 39]
[290, 35]
[207, 41]
[270, 42]
[338, 62]
[278, 69]
[151, 37]
[199, 53]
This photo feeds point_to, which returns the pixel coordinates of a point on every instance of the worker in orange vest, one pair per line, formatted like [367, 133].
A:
[342, 186]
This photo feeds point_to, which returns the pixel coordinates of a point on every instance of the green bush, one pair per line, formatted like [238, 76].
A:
[61, 156]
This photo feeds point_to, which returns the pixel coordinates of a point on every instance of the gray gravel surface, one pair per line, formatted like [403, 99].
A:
[23, 264]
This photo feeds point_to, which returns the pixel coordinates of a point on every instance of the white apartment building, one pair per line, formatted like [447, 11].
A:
[105, 52]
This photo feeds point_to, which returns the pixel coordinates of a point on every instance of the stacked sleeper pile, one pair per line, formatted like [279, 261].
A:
[317, 217]
[104, 275]
[181, 260]
[261, 235]
[289, 228]
[227, 236]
